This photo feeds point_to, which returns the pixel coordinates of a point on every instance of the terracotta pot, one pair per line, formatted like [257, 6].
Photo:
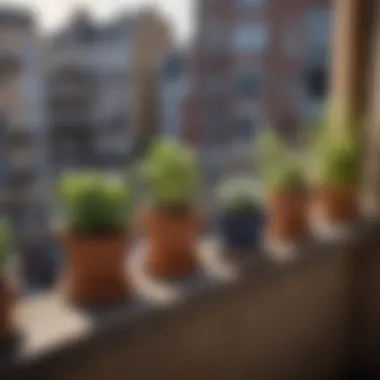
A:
[338, 204]
[287, 216]
[95, 274]
[172, 241]
[6, 310]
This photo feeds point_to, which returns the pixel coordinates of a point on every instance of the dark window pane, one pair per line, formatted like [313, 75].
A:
[245, 128]
[316, 82]
[249, 85]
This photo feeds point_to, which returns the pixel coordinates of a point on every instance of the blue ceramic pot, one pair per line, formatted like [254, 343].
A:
[241, 230]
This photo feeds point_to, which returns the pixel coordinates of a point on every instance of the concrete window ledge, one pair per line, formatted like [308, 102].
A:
[298, 315]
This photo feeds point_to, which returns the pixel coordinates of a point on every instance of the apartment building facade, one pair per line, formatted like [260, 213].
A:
[100, 89]
[23, 120]
[172, 90]
[89, 84]
[255, 63]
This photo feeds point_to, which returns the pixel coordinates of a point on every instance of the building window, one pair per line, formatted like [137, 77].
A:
[213, 128]
[246, 128]
[215, 121]
[318, 33]
[250, 38]
[319, 26]
[316, 82]
[247, 120]
[250, 3]
[30, 52]
[249, 84]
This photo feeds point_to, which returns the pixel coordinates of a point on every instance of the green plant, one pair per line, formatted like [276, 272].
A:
[239, 193]
[335, 154]
[282, 169]
[95, 203]
[5, 241]
[172, 174]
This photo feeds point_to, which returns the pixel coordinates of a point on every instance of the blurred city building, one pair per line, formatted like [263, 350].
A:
[78, 98]
[152, 42]
[254, 63]
[102, 88]
[23, 123]
[173, 87]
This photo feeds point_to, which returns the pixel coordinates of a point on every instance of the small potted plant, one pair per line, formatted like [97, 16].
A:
[285, 182]
[172, 221]
[336, 176]
[242, 215]
[6, 291]
[97, 211]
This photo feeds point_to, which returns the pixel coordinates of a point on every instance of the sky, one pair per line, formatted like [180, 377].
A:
[53, 13]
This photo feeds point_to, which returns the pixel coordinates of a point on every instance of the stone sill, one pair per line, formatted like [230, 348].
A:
[56, 335]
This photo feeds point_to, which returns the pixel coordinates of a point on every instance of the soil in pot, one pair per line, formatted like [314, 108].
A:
[241, 229]
[172, 245]
[338, 205]
[288, 219]
[96, 269]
